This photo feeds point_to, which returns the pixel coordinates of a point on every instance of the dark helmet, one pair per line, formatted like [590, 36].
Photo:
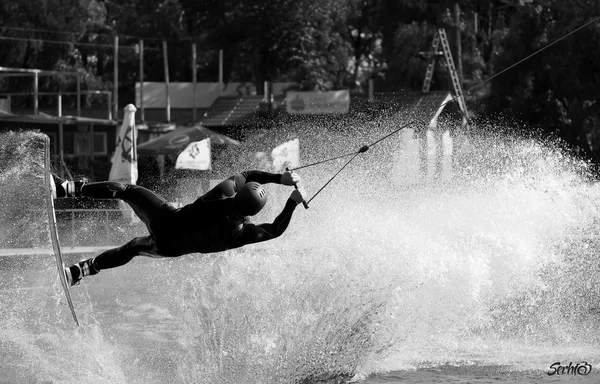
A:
[250, 199]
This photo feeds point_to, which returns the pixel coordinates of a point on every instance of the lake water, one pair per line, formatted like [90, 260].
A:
[490, 277]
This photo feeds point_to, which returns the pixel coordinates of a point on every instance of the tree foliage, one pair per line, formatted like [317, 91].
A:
[324, 45]
[557, 88]
[44, 35]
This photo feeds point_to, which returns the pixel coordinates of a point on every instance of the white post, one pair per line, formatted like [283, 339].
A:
[36, 81]
[78, 95]
[221, 68]
[166, 65]
[142, 116]
[59, 104]
[61, 139]
[194, 81]
[116, 78]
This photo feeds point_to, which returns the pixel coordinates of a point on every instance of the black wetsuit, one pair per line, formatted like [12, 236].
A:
[205, 226]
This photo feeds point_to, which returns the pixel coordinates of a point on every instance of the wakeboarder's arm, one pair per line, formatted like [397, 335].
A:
[252, 233]
[261, 177]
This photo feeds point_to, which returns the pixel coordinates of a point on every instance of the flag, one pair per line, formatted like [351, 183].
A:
[195, 156]
[286, 155]
[124, 161]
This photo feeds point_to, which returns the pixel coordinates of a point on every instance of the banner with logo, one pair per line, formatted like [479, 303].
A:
[317, 103]
[195, 156]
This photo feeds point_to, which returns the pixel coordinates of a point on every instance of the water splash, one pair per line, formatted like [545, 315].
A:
[38, 342]
[494, 266]
[381, 275]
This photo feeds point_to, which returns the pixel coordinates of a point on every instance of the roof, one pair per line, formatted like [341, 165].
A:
[44, 118]
[178, 139]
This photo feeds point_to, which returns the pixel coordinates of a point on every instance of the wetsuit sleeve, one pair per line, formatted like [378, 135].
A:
[261, 177]
[252, 233]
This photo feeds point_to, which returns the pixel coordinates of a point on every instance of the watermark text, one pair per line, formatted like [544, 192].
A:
[581, 368]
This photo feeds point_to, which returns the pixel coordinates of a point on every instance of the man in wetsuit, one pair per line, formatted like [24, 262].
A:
[215, 222]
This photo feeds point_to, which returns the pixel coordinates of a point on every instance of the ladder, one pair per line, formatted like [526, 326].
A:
[441, 36]
[431, 65]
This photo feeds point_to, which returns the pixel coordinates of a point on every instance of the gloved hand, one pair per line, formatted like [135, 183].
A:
[290, 178]
[297, 196]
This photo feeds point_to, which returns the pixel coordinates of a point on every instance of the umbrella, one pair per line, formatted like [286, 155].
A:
[177, 140]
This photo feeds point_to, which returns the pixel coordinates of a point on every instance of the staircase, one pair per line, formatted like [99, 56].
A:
[232, 110]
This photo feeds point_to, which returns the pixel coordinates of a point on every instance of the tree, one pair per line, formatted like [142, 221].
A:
[275, 40]
[28, 40]
[556, 89]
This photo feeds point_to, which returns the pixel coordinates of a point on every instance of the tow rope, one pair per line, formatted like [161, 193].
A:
[365, 148]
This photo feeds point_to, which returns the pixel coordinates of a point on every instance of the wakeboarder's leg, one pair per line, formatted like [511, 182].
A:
[111, 258]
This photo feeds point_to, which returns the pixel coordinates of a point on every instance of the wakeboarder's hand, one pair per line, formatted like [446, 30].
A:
[297, 196]
[290, 178]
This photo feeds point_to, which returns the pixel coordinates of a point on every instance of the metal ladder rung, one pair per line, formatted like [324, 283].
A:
[452, 69]
[431, 65]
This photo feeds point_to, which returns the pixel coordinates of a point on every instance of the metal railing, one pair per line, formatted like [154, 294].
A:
[59, 102]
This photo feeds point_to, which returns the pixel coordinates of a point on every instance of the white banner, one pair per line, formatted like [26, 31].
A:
[182, 94]
[286, 155]
[124, 161]
[316, 103]
[195, 156]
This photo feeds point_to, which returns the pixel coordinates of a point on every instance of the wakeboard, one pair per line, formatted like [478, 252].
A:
[48, 184]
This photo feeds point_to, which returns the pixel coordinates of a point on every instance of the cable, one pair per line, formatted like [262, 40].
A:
[333, 177]
[520, 62]
[366, 147]
[74, 43]
[533, 54]
[77, 33]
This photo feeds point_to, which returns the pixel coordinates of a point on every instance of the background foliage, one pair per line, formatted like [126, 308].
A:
[327, 44]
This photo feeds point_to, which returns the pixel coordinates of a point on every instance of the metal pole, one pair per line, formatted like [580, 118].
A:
[116, 79]
[221, 67]
[166, 65]
[59, 104]
[458, 42]
[78, 95]
[106, 227]
[142, 115]
[73, 229]
[265, 91]
[109, 105]
[91, 148]
[35, 92]
[61, 148]
[194, 80]
[61, 155]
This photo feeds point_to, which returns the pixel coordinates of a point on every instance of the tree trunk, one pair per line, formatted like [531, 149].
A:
[459, 67]
[259, 69]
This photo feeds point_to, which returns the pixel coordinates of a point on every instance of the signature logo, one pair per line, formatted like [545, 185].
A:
[582, 368]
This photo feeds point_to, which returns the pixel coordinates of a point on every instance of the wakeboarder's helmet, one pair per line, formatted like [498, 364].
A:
[250, 199]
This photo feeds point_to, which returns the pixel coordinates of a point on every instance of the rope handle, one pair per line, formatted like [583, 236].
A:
[296, 186]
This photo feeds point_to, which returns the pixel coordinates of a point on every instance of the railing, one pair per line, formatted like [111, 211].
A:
[59, 103]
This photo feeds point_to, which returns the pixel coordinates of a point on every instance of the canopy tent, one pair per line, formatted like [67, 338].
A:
[177, 140]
